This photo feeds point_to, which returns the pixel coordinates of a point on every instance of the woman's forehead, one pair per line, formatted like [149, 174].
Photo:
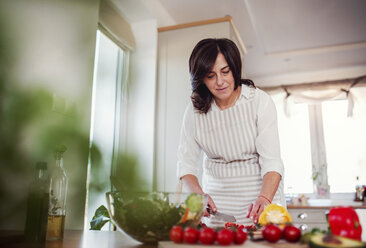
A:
[220, 63]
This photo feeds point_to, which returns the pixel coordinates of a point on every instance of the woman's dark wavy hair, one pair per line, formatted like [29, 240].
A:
[202, 60]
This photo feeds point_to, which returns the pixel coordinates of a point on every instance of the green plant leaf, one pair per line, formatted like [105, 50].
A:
[101, 211]
[100, 217]
[98, 223]
[315, 176]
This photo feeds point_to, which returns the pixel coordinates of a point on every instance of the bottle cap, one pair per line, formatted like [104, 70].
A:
[59, 150]
[41, 166]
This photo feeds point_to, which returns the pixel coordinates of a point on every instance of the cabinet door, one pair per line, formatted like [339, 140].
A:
[173, 93]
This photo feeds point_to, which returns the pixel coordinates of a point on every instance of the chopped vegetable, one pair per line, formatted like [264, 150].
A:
[305, 238]
[321, 240]
[184, 218]
[274, 214]
[194, 203]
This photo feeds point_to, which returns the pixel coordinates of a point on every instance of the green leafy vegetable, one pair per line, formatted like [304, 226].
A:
[194, 203]
[148, 217]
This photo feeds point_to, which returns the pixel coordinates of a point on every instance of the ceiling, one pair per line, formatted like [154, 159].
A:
[287, 41]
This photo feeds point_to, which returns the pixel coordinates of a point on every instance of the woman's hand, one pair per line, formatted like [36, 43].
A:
[211, 205]
[255, 209]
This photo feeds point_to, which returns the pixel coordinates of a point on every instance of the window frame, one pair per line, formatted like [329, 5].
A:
[120, 118]
[318, 147]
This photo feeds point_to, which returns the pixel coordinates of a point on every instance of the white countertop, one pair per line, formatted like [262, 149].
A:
[335, 199]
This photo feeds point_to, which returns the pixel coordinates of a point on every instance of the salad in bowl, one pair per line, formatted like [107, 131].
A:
[148, 217]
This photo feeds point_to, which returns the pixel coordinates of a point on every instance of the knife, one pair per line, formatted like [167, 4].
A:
[222, 216]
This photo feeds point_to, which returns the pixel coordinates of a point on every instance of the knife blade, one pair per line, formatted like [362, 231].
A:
[222, 216]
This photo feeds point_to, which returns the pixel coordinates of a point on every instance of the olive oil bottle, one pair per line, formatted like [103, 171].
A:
[57, 200]
[37, 206]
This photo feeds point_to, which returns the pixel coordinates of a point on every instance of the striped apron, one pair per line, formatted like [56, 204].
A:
[231, 172]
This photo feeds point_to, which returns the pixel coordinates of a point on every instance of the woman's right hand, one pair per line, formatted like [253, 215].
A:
[211, 205]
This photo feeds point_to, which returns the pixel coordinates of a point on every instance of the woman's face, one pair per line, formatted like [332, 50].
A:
[220, 80]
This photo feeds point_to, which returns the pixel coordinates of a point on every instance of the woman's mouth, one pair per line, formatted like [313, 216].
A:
[221, 89]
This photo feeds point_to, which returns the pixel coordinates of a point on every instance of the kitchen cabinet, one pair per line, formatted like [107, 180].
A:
[307, 218]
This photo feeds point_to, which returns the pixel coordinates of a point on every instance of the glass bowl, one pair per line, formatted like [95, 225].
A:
[148, 217]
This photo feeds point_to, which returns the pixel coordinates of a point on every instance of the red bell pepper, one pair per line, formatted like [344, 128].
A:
[343, 221]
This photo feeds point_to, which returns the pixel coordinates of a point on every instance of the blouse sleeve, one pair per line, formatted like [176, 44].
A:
[267, 142]
[189, 151]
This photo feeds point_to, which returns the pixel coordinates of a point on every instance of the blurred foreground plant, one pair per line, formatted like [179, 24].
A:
[30, 130]
[127, 180]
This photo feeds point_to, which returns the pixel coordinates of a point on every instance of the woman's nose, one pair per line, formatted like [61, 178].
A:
[220, 80]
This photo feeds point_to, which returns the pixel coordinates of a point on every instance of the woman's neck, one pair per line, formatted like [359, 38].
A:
[224, 104]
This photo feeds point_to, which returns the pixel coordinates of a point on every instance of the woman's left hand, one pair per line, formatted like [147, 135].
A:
[255, 209]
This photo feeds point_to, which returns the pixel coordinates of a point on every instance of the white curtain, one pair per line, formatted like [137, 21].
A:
[354, 90]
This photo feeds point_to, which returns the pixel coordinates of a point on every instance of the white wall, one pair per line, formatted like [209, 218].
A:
[53, 44]
[141, 96]
[173, 93]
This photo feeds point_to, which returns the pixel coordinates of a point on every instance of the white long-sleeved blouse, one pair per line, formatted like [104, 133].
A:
[267, 141]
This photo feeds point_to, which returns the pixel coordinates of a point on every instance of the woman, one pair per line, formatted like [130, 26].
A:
[235, 125]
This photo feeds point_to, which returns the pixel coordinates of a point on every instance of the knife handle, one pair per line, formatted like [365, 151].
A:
[209, 210]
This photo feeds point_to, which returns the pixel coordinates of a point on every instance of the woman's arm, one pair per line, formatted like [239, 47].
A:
[268, 148]
[271, 180]
[189, 158]
[192, 185]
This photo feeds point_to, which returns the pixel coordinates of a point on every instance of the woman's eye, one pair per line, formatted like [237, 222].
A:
[226, 72]
[210, 76]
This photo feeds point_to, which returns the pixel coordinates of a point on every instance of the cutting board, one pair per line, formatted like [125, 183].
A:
[247, 244]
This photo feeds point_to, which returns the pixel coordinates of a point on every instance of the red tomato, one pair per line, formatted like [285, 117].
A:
[240, 236]
[271, 233]
[190, 235]
[207, 236]
[225, 237]
[176, 234]
[292, 233]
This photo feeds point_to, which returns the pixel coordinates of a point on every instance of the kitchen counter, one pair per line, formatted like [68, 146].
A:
[110, 239]
[290, 206]
[340, 199]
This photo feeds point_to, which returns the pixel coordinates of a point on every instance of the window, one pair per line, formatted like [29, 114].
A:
[107, 113]
[294, 135]
[345, 143]
[321, 133]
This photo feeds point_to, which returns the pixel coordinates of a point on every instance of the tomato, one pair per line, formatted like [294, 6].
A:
[271, 233]
[229, 225]
[207, 236]
[176, 234]
[240, 236]
[190, 235]
[291, 234]
[225, 237]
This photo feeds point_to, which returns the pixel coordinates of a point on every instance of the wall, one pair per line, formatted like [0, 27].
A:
[141, 96]
[173, 93]
[53, 45]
